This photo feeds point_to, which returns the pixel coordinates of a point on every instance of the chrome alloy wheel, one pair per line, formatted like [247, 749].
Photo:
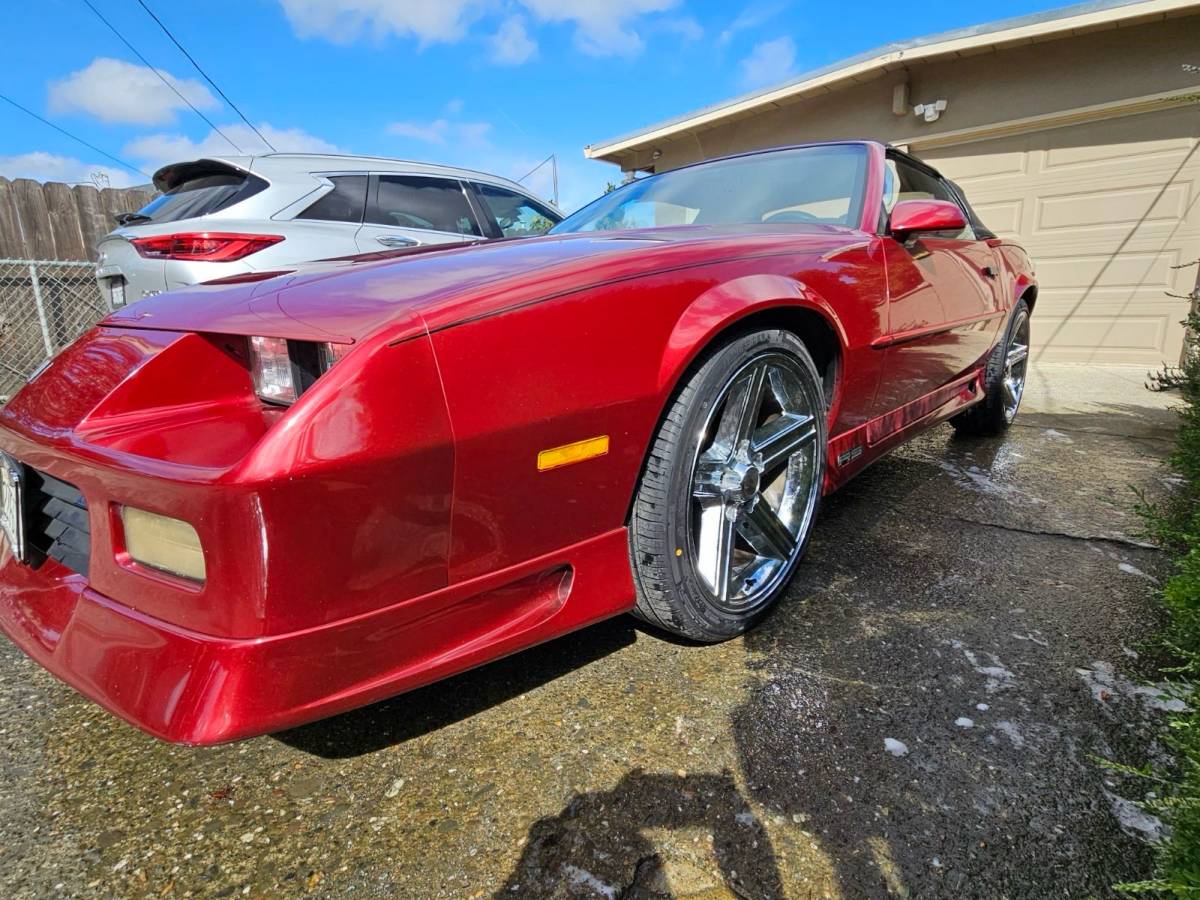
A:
[1016, 363]
[755, 481]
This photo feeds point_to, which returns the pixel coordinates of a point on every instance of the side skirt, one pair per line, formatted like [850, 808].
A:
[852, 451]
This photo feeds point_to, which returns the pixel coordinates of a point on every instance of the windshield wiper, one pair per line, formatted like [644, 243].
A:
[131, 218]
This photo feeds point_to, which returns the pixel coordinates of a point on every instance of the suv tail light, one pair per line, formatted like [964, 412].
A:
[203, 246]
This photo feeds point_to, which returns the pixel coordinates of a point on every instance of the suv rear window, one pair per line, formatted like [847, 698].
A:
[202, 195]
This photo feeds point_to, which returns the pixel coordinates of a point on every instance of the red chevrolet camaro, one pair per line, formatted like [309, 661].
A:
[245, 505]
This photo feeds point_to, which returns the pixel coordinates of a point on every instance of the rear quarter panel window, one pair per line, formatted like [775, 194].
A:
[345, 203]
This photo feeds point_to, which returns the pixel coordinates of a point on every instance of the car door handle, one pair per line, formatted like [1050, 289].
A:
[389, 240]
[989, 272]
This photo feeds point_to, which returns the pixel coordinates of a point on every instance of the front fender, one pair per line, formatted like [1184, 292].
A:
[722, 306]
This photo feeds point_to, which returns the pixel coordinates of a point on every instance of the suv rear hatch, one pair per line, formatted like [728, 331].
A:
[189, 190]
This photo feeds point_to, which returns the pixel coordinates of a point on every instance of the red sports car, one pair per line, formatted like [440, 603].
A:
[241, 506]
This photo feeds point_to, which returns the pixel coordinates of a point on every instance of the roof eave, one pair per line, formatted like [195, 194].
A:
[876, 63]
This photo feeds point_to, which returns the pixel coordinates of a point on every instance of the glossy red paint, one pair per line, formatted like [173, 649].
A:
[911, 217]
[392, 526]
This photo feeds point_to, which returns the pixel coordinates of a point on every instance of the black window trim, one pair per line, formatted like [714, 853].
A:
[373, 202]
[952, 189]
[488, 224]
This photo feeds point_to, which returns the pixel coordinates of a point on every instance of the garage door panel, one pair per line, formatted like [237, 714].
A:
[1105, 209]
[1164, 237]
[1003, 213]
[1003, 216]
[1046, 186]
[1102, 339]
[1145, 270]
[1162, 138]
[1110, 301]
[1000, 159]
[1097, 208]
[1114, 323]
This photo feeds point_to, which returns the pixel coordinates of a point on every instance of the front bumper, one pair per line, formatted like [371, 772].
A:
[325, 534]
[190, 688]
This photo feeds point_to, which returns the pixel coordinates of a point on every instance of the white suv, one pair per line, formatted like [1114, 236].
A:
[224, 216]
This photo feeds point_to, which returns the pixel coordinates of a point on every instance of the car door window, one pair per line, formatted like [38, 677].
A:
[424, 204]
[516, 215]
[903, 181]
[343, 204]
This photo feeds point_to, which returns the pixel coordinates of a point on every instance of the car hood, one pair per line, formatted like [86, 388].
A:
[347, 300]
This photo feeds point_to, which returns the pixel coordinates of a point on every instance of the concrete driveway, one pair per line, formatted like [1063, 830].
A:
[919, 718]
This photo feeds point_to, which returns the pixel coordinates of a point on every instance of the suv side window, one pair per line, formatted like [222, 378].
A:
[343, 204]
[904, 181]
[516, 215]
[426, 204]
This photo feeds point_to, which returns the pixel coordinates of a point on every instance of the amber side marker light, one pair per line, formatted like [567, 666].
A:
[572, 453]
[162, 543]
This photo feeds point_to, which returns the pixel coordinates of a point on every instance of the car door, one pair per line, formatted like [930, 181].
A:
[507, 213]
[944, 306]
[407, 210]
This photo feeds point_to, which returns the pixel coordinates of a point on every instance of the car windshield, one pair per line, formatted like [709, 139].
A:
[804, 185]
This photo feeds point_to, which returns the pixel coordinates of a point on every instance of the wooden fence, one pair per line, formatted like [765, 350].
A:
[60, 221]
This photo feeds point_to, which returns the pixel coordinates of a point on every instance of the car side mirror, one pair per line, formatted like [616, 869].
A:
[913, 216]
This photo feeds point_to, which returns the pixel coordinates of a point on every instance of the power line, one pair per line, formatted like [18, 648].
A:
[183, 50]
[91, 147]
[535, 168]
[160, 75]
[553, 160]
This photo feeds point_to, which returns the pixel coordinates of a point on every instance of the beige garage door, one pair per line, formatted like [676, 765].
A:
[1106, 209]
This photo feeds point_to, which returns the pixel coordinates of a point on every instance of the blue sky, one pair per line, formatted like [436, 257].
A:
[491, 84]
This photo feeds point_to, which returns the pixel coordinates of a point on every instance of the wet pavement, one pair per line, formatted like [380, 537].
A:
[920, 717]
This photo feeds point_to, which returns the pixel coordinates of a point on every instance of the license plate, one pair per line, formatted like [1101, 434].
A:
[116, 288]
[11, 524]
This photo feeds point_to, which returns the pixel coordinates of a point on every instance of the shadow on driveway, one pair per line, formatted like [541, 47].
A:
[428, 709]
[588, 848]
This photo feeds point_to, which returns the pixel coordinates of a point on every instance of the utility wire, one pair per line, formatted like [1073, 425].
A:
[161, 76]
[535, 168]
[91, 147]
[183, 50]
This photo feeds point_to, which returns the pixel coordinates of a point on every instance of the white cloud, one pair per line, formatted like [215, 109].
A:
[600, 25]
[511, 45]
[685, 27]
[42, 166]
[443, 132]
[342, 21]
[768, 63]
[751, 17]
[113, 90]
[159, 149]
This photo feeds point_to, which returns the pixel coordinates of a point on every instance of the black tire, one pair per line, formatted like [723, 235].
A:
[993, 414]
[670, 592]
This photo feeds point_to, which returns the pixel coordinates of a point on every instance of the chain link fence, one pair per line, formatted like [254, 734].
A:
[44, 305]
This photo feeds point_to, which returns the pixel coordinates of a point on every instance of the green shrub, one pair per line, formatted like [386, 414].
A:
[1175, 523]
